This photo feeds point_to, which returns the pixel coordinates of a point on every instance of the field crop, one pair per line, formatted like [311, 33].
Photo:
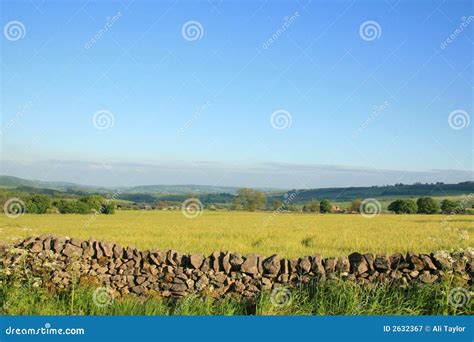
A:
[288, 234]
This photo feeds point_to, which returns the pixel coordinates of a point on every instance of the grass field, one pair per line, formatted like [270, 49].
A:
[288, 234]
[323, 298]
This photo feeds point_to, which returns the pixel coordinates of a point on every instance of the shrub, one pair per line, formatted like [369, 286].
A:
[325, 206]
[65, 207]
[313, 206]
[449, 207]
[276, 204]
[92, 201]
[401, 206]
[38, 204]
[251, 199]
[82, 208]
[427, 205]
[355, 206]
[108, 208]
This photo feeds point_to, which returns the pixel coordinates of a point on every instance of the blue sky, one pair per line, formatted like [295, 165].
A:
[376, 107]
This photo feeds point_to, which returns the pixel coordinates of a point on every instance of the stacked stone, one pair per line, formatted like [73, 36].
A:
[171, 273]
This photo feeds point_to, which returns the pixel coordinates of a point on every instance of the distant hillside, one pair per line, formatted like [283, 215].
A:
[225, 194]
[389, 191]
[14, 182]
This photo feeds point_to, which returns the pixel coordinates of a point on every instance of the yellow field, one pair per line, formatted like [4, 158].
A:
[290, 235]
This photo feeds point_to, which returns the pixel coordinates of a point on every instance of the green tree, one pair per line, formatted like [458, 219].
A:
[81, 207]
[108, 208]
[402, 206]
[325, 206]
[236, 204]
[427, 205]
[449, 207]
[65, 206]
[93, 201]
[251, 199]
[38, 204]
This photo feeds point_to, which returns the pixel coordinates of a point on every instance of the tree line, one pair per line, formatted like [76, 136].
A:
[43, 204]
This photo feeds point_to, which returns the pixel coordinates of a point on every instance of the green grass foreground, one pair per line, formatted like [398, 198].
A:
[325, 298]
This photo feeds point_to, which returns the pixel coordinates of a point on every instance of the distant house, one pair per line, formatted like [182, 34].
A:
[336, 209]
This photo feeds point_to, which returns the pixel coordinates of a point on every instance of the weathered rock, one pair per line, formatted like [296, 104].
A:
[428, 278]
[137, 290]
[415, 262]
[107, 248]
[442, 260]
[178, 288]
[196, 260]
[227, 267]
[271, 265]
[382, 263]
[428, 263]
[305, 265]
[395, 260]
[215, 262]
[72, 251]
[369, 257]
[317, 265]
[206, 265]
[129, 252]
[250, 265]
[236, 261]
[76, 242]
[330, 265]
[358, 263]
[36, 247]
[343, 264]
[58, 244]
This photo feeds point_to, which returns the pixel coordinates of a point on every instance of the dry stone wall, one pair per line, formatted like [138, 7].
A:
[170, 273]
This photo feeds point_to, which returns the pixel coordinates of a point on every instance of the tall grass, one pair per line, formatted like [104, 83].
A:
[325, 298]
[287, 234]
